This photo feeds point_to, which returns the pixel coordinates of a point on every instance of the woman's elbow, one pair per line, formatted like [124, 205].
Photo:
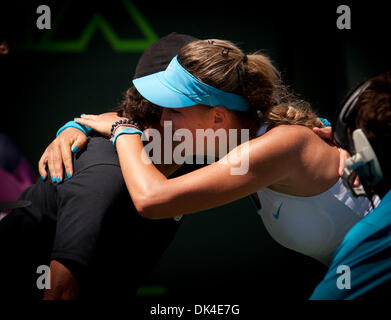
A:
[146, 212]
[147, 208]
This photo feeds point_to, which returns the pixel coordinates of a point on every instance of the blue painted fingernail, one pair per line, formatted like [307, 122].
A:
[54, 179]
[69, 175]
[42, 177]
[74, 149]
[83, 114]
[58, 179]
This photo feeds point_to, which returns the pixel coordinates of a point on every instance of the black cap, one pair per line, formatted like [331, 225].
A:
[157, 57]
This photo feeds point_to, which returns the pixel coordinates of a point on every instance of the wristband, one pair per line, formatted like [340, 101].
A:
[126, 131]
[73, 124]
[325, 122]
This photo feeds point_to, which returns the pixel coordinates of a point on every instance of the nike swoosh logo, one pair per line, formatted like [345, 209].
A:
[277, 214]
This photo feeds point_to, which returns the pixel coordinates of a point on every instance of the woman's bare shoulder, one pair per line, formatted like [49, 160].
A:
[291, 141]
[293, 135]
[306, 152]
[290, 129]
[280, 144]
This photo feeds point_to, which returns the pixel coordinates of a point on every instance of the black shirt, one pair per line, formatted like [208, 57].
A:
[97, 220]
[98, 233]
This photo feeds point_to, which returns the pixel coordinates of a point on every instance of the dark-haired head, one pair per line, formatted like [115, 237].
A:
[373, 115]
[154, 59]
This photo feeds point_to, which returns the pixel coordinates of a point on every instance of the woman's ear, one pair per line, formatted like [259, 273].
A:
[220, 117]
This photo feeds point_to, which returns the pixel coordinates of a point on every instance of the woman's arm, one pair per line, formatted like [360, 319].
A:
[270, 159]
[59, 152]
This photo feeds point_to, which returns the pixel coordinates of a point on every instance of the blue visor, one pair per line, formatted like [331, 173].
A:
[175, 87]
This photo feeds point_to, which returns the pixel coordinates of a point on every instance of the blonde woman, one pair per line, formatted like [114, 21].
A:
[212, 84]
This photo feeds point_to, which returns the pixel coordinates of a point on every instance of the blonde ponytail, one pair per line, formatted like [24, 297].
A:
[288, 114]
[223, 65]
